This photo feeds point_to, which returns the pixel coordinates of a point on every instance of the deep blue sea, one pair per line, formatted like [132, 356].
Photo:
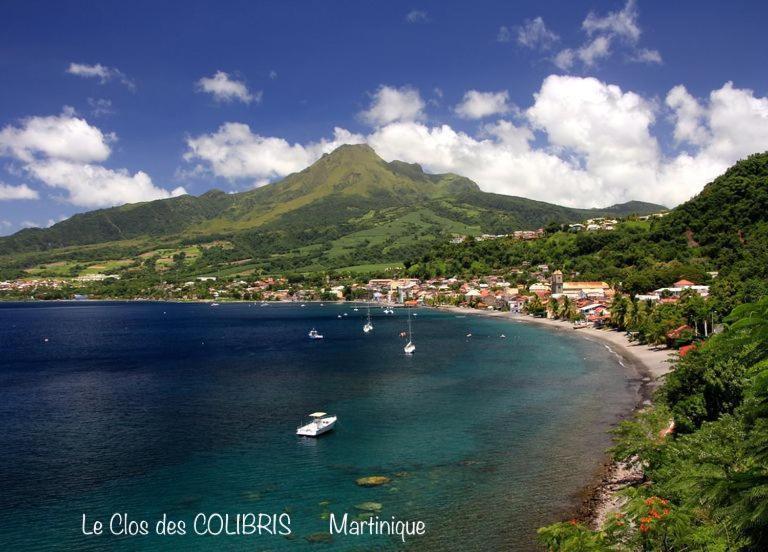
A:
[153, 408]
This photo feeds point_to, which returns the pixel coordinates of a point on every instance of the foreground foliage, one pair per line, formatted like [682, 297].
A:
[707, 483]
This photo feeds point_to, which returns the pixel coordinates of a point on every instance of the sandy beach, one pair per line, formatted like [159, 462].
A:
[600, 499]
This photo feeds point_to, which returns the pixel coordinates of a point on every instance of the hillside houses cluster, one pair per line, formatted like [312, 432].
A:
[516, 235]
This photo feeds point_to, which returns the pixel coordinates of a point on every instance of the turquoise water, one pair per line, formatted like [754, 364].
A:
[152, 408]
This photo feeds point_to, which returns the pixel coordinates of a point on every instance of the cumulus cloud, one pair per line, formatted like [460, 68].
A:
[688, 116]
[597, 145]
[62, 151]
[101, 72]
[476, 104]
[64, 136]
[96, 186]
[417, 16]
[390, 104]
[534, 34]
[234, 152]
[737, 122]
[225, 88]
[22, 191]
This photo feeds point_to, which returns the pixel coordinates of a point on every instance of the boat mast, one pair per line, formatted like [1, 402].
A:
[409, 325]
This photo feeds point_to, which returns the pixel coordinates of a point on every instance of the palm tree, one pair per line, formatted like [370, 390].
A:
[749, 324]
[554, 307]
[619, 311]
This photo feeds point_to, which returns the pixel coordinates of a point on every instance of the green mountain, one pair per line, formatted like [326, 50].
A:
[349, 208]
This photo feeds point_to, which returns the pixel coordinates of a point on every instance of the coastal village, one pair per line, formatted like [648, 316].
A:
[586, 303]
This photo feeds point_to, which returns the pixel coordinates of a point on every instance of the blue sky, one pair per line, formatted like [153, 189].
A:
[580, 103]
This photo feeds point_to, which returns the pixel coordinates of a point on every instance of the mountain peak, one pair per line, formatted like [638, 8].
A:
[353, 153]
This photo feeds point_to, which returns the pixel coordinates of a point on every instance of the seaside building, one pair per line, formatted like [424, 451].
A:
[585, 290]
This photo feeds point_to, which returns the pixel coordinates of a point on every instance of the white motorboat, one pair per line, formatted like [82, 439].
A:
[409, 347]
[313, 334]
[321, 423]
[214, 304]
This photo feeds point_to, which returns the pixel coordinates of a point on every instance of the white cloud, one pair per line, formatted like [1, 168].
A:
[234, 152]
[621, 23]
[564, 59]
[619, 28]
[61, 151]
[504, 34]
[390, 104]
[688, 116]
[535, 34]
[29, 224]
[273, 74]
[417, 16]
[101, 72]
[100, 106]
[22, 191]
[476, 104]
[226, 89]
[597, 145]
[593, 51]
[589, 54]
[738, 123]
[645, 55]
[607, 128]
[97, 186]
[64, 136]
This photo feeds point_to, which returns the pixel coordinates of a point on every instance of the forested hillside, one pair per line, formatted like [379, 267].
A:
[723, 229]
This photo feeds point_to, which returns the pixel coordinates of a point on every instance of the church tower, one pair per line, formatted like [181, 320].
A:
[557, 282]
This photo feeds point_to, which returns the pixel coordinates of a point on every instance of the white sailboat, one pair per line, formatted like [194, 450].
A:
[313, 334]
[368, 325]
[409, 347]
[321, 423]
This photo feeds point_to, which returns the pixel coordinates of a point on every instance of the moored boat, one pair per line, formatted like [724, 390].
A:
[321, 423]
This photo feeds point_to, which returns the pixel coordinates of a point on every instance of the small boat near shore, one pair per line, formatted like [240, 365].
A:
[368, 328]
[314, 334]
[321, 423]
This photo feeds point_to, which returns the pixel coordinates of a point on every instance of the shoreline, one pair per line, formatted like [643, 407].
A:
[598, 499]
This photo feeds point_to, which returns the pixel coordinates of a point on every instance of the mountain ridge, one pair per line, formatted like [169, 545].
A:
[348, 192]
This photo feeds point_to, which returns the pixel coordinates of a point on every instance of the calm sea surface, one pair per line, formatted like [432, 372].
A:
[152, 408]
